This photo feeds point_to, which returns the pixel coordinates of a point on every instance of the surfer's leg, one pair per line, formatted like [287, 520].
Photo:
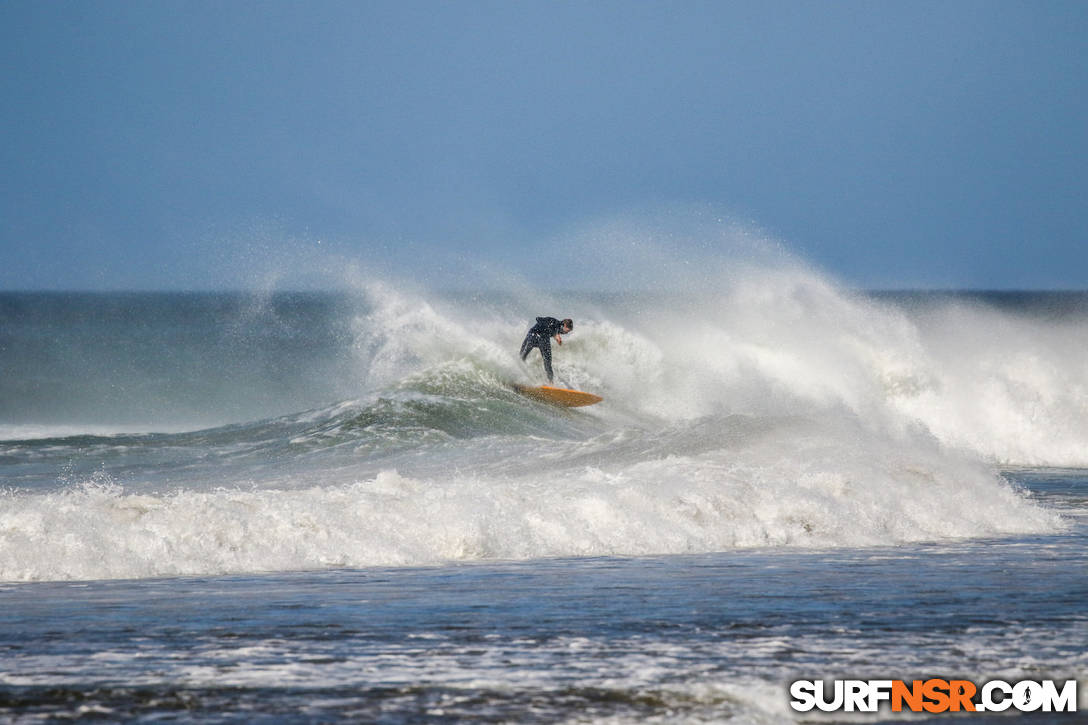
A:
[546, 353]
[527, 346]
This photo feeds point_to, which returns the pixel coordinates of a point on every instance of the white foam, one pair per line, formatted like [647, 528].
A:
[785, 342]
[778, 338]
[790, 486]
[774, 410]
[39, 431]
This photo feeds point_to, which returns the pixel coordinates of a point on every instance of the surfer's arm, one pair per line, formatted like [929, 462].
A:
[558, 340]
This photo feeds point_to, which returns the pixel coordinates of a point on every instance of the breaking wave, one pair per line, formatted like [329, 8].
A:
[771, 408]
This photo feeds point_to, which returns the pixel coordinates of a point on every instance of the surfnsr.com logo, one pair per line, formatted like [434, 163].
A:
[934, 696]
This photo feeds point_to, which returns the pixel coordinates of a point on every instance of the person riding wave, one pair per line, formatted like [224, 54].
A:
[540, 336]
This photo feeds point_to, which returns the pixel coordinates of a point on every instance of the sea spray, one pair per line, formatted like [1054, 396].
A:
[762, 406]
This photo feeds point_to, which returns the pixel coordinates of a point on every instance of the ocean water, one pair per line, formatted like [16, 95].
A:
[308, 506]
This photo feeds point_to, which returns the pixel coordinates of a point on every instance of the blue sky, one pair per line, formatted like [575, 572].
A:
[167, 145]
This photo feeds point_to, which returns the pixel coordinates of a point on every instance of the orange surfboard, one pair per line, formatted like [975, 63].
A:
[558, 396]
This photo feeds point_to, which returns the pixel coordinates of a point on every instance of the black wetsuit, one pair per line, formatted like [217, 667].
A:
[540, 335]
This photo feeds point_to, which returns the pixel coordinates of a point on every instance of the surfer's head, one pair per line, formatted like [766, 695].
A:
[568, 325]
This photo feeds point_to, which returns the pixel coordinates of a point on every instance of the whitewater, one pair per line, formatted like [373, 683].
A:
[334, 504]
[777, 411]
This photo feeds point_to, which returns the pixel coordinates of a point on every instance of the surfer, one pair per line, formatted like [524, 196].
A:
[541, 334]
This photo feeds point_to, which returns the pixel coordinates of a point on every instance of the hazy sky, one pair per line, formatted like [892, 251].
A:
[166, 145]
